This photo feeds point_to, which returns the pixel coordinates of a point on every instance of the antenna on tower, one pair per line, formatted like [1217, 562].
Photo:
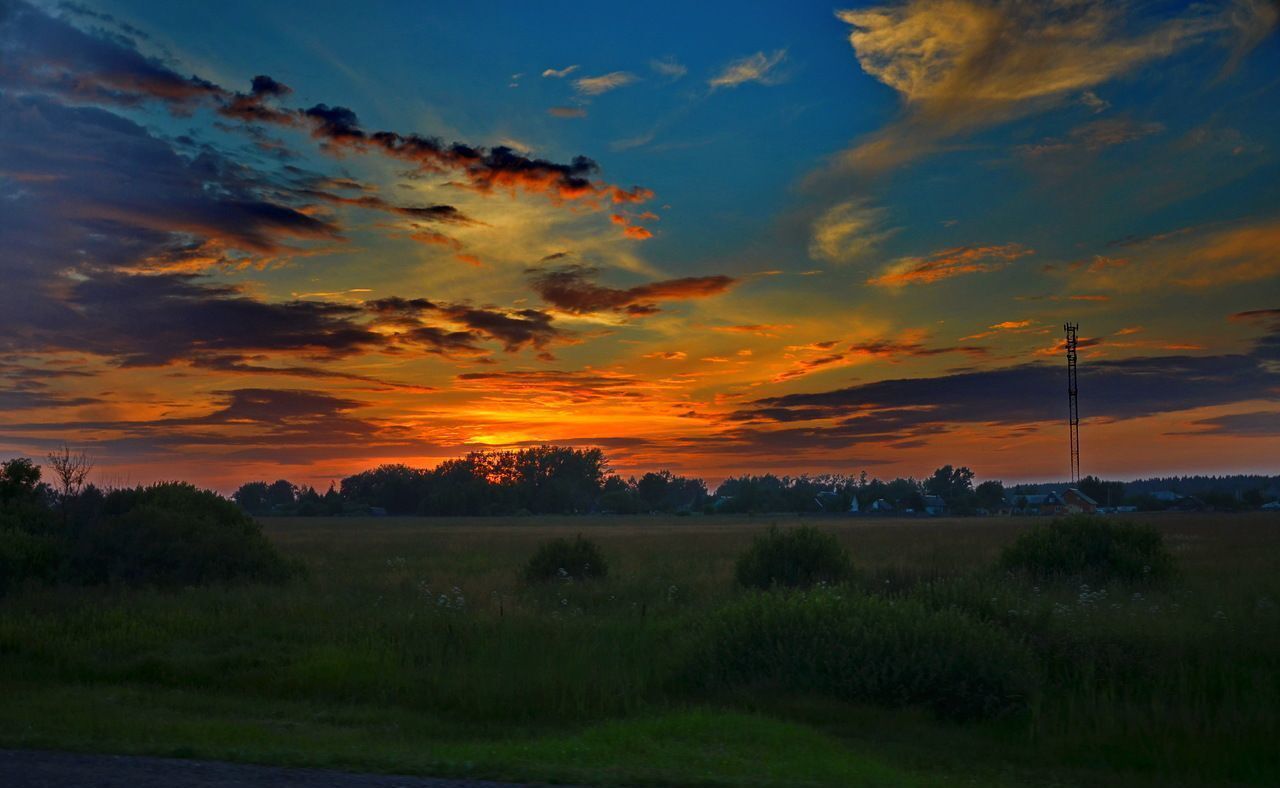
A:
[1073, 397]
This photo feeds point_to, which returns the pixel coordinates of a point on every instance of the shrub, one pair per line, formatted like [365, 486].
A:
[1090, 547]
[866, 649]
[172, 535]
[28, 556]
[795, 558]
[30, 517]
[580, 559]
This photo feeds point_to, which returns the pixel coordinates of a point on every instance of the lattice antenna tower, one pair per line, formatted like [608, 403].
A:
[1073, 398]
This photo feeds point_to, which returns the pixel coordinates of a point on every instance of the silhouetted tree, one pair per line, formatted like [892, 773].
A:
[1105, 493]
[70, 470]
[990, 495]
[666, 492]
[19, 480]
[252, 497]
[397, 488]
[954, 486]
[281, 496]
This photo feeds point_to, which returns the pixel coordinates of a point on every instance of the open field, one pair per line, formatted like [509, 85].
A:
[413, 646]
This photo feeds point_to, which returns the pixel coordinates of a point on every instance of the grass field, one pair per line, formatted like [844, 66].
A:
[413, 645]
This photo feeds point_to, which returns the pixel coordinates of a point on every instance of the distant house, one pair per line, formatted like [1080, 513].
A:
[1047, 503]
[880, 506]
[934, 505]
[830, 501]
[1076, 502]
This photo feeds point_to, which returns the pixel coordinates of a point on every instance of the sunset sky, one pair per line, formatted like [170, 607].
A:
[251, 240]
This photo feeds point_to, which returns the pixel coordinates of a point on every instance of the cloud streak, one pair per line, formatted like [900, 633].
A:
[595, 86]
[760, 68]
[947, 264]
[573, 289]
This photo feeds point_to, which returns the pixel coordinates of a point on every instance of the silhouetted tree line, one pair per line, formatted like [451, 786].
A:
[563, 480]
[539, 480]
[1228, 493]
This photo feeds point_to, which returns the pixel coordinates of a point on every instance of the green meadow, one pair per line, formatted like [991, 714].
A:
[416, 645]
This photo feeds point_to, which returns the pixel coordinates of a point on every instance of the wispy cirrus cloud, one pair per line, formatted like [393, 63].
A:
[595, 86]
[760, 67]
[559, 73]
[668, 67]
[1192, 258]
[948, 263]
[849, 231]
[1092, 137]
[822, 356]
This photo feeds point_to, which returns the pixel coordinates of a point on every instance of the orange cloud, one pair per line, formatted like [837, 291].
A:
[631, 230]
[949, 263]
[759, 329]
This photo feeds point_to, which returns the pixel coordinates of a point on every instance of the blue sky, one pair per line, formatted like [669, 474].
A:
[786, 202]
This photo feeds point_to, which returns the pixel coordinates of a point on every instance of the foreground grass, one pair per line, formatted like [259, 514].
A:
[696, 746]
[414, 646]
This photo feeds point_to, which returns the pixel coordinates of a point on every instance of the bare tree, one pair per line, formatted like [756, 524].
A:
[71, 469]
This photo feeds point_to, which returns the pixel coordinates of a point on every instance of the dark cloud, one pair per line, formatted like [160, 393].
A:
[1260, 424]
[1258, 314]
[467, 325]
[264, 85]
[156, 319]
[333, 123]
[264, 424]
[19, 392]
[485, 169]
[134, 199]
[573, 289]
[257, 105]
[1020, 395]
[39, 52]
[246, 365]
[446, 214]
[578, 387]
[273, 407]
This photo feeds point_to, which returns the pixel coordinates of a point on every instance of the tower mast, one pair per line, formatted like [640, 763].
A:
[1073, 397]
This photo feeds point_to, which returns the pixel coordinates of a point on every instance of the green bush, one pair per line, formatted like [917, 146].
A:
[794, 558]
[28, 556]
[866, 649]
[172, 535]
[1092, 548]
[29, 517]
[556, 559]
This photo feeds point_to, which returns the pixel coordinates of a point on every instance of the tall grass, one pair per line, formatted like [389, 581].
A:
[864, 648]
[1176, 680]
